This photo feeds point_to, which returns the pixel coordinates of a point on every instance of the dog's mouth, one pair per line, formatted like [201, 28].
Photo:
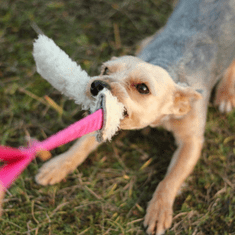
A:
[125, 113]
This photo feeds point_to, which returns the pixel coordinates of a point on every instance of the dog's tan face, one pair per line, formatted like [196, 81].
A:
[147, 91]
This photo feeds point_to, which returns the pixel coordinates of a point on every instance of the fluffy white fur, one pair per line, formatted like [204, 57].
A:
[60, 71]
[65, 75]
[113, 113]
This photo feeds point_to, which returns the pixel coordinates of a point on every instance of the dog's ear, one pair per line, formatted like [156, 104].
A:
[183, 98]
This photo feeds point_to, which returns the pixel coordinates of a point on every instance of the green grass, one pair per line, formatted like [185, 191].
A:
[108, 194]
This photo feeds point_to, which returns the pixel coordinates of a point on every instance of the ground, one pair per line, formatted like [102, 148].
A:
[108, 194]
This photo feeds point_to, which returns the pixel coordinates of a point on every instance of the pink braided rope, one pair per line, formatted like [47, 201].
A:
[18, 159]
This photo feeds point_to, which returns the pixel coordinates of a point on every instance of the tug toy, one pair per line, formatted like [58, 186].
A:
[65, 75]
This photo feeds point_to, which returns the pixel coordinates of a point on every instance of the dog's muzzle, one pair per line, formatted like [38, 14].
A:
[98, 86]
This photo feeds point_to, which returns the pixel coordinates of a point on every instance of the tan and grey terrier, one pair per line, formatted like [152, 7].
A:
[168, 84]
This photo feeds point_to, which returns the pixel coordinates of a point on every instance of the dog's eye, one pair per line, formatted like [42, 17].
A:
[142, 88]
[106, 71]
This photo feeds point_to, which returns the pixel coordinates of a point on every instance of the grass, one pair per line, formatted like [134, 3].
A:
[108, 194]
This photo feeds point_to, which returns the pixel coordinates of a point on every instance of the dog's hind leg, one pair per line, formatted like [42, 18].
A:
[225, 92]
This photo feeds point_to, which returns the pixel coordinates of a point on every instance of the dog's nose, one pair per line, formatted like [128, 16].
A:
[98, 86]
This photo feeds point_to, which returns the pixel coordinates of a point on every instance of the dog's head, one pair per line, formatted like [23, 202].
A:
[147, 91]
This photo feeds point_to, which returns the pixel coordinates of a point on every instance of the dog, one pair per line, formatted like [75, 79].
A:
[168, 84]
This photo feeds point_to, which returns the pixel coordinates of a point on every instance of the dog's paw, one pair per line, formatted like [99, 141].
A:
[159, 214]
[225, 98]
[54, 171]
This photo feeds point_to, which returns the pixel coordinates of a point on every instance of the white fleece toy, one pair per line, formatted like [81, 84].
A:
[66, 76]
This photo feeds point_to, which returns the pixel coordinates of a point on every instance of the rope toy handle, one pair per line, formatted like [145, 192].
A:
[16, 160]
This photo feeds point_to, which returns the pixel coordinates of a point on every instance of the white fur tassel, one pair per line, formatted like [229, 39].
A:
[60, 71]
[66, 76]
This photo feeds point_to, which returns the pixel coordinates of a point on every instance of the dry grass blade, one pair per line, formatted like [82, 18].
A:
[54, 105]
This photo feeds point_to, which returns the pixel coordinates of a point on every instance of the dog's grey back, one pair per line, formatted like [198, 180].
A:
[198, 39]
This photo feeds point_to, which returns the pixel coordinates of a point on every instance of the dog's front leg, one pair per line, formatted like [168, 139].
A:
[159, 211]
[57, 168]
[189, 137]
